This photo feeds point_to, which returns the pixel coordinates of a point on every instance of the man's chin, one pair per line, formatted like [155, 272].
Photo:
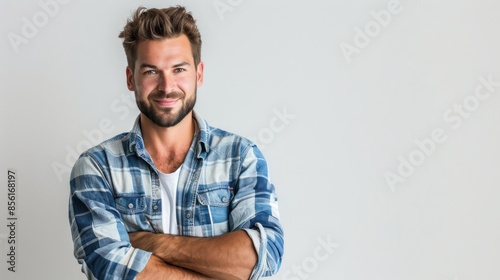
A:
[167, 120]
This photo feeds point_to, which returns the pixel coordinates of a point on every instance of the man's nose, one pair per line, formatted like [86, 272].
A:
[166, 83]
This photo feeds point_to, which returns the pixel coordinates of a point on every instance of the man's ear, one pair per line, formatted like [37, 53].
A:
[130, 78]
[199, 74]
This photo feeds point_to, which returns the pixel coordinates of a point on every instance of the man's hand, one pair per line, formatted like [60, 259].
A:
[229, 256]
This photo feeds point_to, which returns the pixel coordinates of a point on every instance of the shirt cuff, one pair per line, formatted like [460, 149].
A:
[255, 236]
[259, 240]
[136, 258]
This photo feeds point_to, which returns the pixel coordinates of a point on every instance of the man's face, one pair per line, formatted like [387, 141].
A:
[165, 80]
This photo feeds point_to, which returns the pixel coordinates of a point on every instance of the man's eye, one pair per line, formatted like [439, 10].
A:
[151, 72]
[179, 70]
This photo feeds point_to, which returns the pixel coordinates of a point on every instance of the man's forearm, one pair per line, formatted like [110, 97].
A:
[229, 256]
[157, 269]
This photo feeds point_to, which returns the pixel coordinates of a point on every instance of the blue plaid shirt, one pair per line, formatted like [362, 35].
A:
[223, 186]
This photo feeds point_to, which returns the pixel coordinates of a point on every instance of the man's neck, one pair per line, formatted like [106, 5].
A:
[168, 146]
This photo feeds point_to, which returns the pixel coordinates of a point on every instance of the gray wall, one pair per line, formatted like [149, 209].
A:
[378, 118]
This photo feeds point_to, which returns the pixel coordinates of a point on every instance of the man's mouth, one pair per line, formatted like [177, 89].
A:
[166, 102]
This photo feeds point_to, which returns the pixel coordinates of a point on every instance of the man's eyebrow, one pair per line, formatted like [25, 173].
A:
[184, 63]
[145, 65]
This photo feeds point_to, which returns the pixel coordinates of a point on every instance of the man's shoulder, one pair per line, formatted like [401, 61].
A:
[223, 144]
[102, 157]
[220, 138]
[216, 137]
[117, 145]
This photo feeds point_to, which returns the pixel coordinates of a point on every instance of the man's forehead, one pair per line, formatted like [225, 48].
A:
[178, 47]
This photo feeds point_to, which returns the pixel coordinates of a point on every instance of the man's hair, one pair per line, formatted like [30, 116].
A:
[158, 24]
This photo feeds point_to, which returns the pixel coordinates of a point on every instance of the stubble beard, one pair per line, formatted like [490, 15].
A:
[164, 117]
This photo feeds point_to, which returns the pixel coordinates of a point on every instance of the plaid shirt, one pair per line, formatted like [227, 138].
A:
[223, 186]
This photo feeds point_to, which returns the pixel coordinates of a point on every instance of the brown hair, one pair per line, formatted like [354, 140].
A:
[158, 24]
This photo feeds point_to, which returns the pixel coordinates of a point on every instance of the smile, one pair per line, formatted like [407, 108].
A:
[166, 102]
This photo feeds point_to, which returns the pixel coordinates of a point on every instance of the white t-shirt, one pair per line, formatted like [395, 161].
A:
[168, 186]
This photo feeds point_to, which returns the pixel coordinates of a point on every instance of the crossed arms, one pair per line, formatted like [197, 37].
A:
[229, 256]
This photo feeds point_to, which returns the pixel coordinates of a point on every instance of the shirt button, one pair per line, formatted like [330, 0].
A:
[224, 199]
[155, 208]
[130, 205]
[188, 215]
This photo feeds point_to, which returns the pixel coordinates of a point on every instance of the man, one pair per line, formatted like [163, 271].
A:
[174, 198]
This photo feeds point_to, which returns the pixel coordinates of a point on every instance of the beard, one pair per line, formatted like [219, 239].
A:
[164, 117]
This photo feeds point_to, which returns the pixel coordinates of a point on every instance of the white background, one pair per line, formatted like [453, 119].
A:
[349, 124]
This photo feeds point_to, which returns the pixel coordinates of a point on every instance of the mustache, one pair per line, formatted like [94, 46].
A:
[164, 95]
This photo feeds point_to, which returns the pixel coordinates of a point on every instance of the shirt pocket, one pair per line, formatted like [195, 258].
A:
[130, 203]
[218, 196]
[213, 208]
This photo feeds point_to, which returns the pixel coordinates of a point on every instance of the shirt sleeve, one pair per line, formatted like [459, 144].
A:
[101, 242]
[256, 211]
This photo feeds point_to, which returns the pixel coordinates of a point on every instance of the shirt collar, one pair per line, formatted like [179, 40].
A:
[201, 145]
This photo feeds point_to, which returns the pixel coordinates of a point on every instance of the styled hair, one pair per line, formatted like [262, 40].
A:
[158, 24]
